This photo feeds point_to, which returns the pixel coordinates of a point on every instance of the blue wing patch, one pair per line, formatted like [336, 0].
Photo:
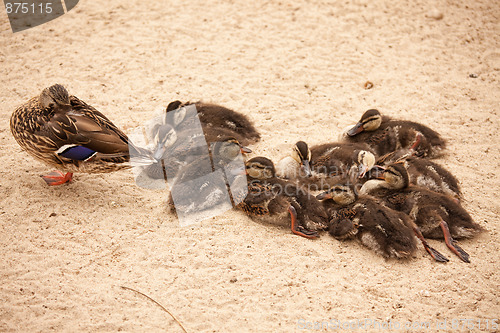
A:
[74, 152]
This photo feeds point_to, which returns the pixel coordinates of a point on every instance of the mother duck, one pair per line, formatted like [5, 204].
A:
[70, 135]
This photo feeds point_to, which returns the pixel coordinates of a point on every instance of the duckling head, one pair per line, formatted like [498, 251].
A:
[229, 149]
[177, 112]
[55, 96]
[370, 121]
[366, 161]
[260, 168]
[164, 137]
[302, 155]
[396, 176]
[341, 194]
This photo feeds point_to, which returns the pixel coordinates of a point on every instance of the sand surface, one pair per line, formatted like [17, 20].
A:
[298, 70]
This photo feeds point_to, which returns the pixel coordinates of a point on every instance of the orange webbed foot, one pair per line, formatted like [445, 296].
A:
[452, 245]
[435, 254]
[56, 177]
[298, 229]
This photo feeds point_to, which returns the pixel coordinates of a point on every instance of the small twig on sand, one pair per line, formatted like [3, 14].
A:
[161, 306]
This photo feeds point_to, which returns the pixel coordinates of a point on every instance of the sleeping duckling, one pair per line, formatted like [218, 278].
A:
[385, 231]
[436, 215]
[424, 173]
[187, 147]
[386, 135]
[64, 132]
[326, 164]
[207, 182]
[271, 199]
[213, 117]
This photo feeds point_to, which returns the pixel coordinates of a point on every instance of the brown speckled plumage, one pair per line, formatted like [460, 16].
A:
[269, 198]
[42, 130]
[216, 118]
[437, 215]
[385, 231]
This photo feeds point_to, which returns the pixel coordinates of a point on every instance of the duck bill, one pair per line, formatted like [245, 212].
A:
[307, 168]
[324, 195]
[158, 154]
[245, 150]
[358, 128]
[362, 169]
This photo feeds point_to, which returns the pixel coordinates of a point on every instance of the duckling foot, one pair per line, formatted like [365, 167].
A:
[435, 254]
[298, 229]
[452, 245]
[57, 178]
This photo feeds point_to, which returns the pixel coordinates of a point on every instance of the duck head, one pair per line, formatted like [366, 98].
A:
[302, 155]
[260, 168]
[370, 121]
[341, 194]
[229, 149]
[396, 176]
[366, 161]
[55, 97]
[165, 136]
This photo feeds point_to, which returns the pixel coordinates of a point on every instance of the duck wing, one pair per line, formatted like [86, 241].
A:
[81, 133]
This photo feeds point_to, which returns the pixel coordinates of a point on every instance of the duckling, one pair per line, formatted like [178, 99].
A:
[383, 230]
[436, 215]
[271, 199]
[187, 147]
[214, 116]
[386, 135]
[64, 132]
[424, 173]
[207, 182]
[326, 164]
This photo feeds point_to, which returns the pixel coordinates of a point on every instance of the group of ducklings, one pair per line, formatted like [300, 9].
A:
[377, 184]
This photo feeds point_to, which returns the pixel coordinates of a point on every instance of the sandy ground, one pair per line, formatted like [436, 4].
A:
[298, 70]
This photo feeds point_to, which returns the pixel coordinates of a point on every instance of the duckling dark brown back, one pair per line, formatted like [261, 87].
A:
[436, 215]
[379, 228]
[214, 116]
[386, 135]
[271, 199]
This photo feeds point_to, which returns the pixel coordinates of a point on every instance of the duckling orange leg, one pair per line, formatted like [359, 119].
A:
[433, 252]
[298, 229]
[57, 178]
[452, 245]
[418, 140]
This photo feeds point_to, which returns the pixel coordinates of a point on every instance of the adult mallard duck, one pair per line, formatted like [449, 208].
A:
[271, 200]
[436, 215]
[215, 117]
[325, 165]
[386, 135]
[66, 133]
[383, 230]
